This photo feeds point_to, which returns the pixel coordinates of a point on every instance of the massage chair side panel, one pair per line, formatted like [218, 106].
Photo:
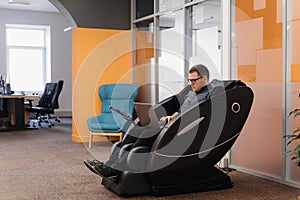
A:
[183, 155]
[239, 103]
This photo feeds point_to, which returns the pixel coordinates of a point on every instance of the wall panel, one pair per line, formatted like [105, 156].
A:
[99, 57]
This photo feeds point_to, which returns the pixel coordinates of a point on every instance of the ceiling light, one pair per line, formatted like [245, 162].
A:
[23, 2]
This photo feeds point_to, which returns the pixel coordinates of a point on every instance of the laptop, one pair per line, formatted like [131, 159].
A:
[147, 115]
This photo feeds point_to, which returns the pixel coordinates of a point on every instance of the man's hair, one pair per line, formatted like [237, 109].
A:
[201, 70]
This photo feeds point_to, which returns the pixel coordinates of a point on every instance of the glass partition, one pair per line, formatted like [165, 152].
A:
[205, 33]
[171, 53]
[265, 55]
[169, 4]
[257, 53]
[263, 43]
[179, 35]
[293, 80]
[143, 62]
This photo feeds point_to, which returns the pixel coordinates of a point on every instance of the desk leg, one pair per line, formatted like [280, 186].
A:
[19, 113]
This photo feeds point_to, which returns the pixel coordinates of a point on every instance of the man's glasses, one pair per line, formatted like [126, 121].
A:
[194, 80]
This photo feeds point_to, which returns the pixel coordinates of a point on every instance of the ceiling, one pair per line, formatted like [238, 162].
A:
[35, 5]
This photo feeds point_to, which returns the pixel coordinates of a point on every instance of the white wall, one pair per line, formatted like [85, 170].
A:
[61, 46]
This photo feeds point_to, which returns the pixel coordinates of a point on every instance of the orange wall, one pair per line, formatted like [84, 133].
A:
[99, 57]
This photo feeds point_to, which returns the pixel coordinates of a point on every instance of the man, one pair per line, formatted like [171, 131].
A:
[198, 80]
[145, 136]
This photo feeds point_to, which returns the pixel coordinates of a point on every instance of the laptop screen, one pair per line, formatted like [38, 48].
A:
[142, 111]
[147, 115]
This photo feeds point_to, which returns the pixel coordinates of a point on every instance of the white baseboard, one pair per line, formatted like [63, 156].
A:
[63, 113]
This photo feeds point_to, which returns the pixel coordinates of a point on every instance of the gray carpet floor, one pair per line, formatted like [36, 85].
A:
[46, 164]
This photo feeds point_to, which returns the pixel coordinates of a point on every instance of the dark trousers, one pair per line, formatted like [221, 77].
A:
[137, 136]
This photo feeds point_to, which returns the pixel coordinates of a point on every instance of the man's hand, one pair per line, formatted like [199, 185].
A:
[168, 118]
[165, 119]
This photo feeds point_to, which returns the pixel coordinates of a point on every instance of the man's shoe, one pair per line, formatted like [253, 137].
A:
[92, 165]
[107, 171]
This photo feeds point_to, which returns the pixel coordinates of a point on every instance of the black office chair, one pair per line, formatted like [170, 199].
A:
[47, 104]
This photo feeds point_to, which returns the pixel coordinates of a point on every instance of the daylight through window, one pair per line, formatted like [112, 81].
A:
[28, 57]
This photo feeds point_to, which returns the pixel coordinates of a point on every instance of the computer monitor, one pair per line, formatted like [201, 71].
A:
[7, 89]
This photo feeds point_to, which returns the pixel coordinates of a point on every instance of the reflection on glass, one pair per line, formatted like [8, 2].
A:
[205, 43]
[144, 41]
[144, 59]
[171, 53]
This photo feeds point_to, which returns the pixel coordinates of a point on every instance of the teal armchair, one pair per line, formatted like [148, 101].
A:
[110, 123]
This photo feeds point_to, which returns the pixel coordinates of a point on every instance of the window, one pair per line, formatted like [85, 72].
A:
[28, 57]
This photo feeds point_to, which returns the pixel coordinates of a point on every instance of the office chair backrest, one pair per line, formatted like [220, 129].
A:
[59, 87]
[47, 96]
[51, 94]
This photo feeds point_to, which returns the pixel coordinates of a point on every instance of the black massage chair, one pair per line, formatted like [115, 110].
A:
[184, 155]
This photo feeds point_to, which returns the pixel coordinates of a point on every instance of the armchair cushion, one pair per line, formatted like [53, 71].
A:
[103, 123]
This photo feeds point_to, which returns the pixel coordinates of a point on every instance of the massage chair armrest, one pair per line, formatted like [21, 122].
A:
[138, 158]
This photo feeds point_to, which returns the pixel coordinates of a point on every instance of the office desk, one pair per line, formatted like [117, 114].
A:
[15, 104]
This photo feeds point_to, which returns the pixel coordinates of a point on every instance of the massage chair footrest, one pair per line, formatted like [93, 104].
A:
[217, 181]
[129, 184]
[133, 184]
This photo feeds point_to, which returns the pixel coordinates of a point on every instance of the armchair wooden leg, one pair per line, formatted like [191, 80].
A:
[90, 140]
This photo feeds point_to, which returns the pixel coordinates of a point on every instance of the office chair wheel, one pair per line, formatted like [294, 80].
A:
[50, 124]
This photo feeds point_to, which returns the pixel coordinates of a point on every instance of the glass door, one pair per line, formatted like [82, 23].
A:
[205, 33]
[293, 84]
[257, 54]
[265, 55]
[171, 53]
[176, 36]
[144, 59]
